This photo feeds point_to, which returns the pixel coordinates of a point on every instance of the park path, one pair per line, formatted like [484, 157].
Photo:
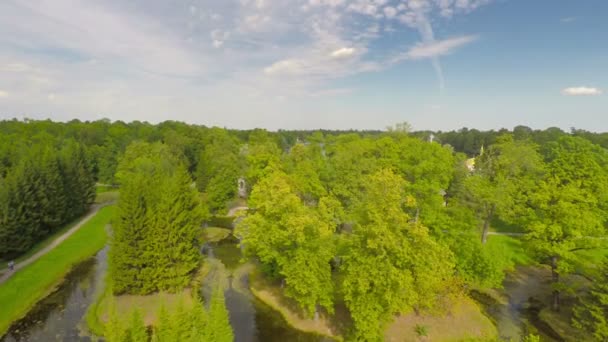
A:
[92, 212]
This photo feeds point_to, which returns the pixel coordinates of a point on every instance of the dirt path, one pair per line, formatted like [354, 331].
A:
[94, 209]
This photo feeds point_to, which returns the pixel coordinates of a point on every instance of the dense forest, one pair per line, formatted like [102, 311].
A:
[380, 222]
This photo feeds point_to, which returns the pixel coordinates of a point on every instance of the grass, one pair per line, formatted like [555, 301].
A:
[465, 320]
[509, 250]
[106, 197]
[32, 283]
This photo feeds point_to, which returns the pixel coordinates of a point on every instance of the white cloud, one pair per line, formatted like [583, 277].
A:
[343, 53]
[581, 91]
[438, 48]
[51, 97]
[567, 20]
[390, 12]
[288, 66]
[3, 93]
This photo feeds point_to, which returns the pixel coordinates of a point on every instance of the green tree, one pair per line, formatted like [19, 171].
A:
[136, 331]
[174, 229]
[503, 179]
[569, 206]
[115, 330]
[591, 314]
[219, 329]
[154, 244]
[219, 169]
[392, 265]
[292, 240]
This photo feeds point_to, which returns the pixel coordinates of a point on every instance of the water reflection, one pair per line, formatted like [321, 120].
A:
[59, 316]
[251, 319]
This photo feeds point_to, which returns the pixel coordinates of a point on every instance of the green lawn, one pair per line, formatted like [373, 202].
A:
[40, 245]
[21, 292]
[106, 197]
[509, 250]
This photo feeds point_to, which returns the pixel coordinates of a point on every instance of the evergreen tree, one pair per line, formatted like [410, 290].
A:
[174, 229]
[164, 331]
[219, 329]
[155, 240]
[137, 329]
[114, 330]
[130, 237]
[199, 323]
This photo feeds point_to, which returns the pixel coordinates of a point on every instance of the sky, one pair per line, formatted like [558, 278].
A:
[307, 64]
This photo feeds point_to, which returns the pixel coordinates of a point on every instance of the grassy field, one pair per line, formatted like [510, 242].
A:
[21, 292]
[465, 320]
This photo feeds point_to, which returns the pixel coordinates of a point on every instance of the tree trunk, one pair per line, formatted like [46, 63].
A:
[486, 228]
[555, 280]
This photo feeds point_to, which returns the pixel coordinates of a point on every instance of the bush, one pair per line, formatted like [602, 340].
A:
[421, 330]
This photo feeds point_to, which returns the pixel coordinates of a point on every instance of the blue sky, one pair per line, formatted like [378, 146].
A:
[438, 64]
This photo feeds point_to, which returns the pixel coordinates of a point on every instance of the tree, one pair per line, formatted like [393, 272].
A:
[219, 329]
[219, 169]
[392, 265]
[136, 331]
[262, 155]
[175, 222]
[569, 206]
[504, 177]
[292, 240]
[592, 313]
[154, 245]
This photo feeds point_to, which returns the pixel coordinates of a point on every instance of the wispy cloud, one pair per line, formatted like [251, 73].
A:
[568, 19]
[439, 47]
[581, 91]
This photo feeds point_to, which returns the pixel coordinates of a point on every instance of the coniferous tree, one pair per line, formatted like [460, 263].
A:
[174, 228]
[136, 331]
[130, 238]
[155, 241]
[219, 329]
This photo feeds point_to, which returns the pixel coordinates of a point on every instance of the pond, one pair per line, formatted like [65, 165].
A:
[60, 316]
